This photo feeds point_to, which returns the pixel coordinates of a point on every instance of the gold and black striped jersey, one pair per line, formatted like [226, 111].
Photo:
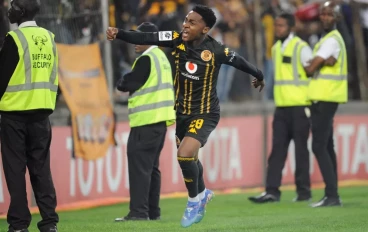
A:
[196, 68]
[196, 76]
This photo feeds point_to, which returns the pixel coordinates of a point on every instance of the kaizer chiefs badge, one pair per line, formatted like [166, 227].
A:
[206, 55]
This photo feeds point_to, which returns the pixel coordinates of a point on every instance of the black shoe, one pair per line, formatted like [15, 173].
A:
[264, 198]
[301, 199]
[130, 218]
[328, 201]
[155, 218]
[48, 228]
[23, 230]
[52, 229]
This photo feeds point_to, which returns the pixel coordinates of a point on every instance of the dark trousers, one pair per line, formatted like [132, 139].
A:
[27, 144]
[144, 147]
[323, 144]
[289, 123]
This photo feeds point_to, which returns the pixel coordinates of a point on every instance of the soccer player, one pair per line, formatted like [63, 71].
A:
[198, 58]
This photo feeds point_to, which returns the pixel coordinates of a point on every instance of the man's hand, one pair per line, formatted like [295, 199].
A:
[331, 61]
[256, 83]
[111, 33]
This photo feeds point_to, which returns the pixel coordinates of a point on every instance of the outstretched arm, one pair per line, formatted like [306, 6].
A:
[229, 57]
[242, 64]
[161, 38]
[226, 56]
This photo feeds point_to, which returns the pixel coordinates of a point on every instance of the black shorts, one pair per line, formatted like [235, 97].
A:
[198, 127]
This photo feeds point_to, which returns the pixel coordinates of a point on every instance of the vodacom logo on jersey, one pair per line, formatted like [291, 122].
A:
[191, 67]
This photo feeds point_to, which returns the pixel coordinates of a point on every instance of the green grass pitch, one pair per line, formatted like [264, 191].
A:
[230, 213]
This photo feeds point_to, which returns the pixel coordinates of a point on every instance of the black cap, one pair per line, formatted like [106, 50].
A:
[147, 27]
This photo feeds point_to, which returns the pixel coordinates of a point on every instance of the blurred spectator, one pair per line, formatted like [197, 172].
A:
[4, 23]
[55, 16]
[80, 22]
[364, 22]
[72, 21]
[88, 21]
[166, 14]
[269, 39]
[345, 28]
[230, 37]
[230, 28]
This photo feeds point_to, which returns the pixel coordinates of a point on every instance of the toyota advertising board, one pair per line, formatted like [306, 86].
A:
[232, 158]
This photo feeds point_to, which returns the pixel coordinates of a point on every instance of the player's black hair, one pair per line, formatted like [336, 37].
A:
[290, 18]
[207, 14]
[30, 8]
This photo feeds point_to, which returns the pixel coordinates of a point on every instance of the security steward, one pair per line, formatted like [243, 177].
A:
[28, 88]
[291, 121]
[327, 89]
[151, 111]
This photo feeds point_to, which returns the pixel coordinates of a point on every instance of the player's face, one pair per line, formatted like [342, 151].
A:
[193, 27]
[282, 30]
[327, 17]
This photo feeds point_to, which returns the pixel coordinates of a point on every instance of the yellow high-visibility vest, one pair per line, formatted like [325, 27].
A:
[154, 101]
[330, 83]
[34, 83]
[291, 81]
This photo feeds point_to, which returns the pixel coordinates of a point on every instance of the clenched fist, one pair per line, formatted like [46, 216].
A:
[111, 33]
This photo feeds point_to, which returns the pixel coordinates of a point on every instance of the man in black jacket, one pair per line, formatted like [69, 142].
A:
[28, 88]
[149, 85]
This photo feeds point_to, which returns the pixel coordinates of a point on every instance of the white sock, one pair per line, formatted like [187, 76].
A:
[194, 199]
[202, 194]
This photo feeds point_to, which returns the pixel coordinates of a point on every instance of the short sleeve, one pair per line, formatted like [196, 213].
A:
[330, 47]
[306, 55]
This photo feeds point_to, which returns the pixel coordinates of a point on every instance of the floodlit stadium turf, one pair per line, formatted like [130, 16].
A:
[230, 213]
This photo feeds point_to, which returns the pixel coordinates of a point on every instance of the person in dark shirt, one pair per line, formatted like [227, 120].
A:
[146, 141]
[4, 25]
[198, 58]
[135, 79]
[27, 97]
[9, 59]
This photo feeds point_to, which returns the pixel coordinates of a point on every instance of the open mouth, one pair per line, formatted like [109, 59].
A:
[185, 34]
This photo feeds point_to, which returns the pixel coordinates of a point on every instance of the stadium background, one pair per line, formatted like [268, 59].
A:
[236, 154]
